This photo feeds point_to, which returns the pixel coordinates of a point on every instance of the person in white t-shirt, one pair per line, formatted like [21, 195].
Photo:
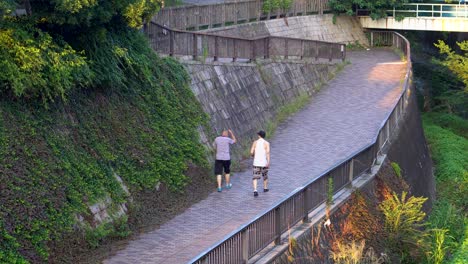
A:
[260, 150]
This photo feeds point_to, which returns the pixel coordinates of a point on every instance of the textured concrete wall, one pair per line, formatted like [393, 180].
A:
[244, 97]
[316, 27]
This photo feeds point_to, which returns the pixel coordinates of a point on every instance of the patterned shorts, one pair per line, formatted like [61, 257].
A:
[259, 172]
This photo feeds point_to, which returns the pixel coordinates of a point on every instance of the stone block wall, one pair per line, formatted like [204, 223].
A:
[346, 29]
[246, 96]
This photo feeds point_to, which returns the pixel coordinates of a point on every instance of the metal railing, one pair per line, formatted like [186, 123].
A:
[199, 44]
[426, 11]
[249, 239]
[195, 17]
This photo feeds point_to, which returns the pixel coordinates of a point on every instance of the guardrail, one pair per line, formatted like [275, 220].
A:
[425, 10]
[199, 44]
[251, 238]
[195, 17]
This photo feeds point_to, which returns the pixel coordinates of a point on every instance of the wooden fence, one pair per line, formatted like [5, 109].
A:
[199, 44]
[195, 17]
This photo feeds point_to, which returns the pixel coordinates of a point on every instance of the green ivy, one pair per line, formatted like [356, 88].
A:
[138, 121]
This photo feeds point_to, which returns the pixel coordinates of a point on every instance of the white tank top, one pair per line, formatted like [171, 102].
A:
[260, 158]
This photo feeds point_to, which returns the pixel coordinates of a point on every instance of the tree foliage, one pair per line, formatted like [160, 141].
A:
[376, 8]
[273, 5]
[455, 62]
[51, 51]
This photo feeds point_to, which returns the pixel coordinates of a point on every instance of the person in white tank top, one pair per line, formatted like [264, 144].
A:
[260, 150]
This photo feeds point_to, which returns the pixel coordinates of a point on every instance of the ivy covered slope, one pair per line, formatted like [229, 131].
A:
[83, 97]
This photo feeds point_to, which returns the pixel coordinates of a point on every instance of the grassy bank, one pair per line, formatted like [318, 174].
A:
[447, 138]
[55, 162]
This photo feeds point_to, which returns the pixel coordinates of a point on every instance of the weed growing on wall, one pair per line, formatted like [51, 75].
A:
[403, 222]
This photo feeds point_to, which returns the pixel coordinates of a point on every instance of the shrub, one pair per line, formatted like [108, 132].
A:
[403, 221]
[34, 65]
[354, 253]
[396, 168]
[438, 248]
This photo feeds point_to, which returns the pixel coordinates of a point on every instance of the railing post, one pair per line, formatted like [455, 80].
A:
[372, 39]
[351, 172]
[343, 52]
[277, 226]
[417, 10]
[171, 43]
[234, 57]
[286, 47]
[223, 23]
[195, 48]
[236, 13]
[215, 58]
[316, 50]
[267, 47]
[330, 56]
[197, 20]
[210, 18]
[306, 219]
[252, 42]
[245, 246]
[302, 49]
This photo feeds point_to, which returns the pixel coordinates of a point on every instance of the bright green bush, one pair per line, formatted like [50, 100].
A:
[34, 65]
[377, 8]
[403, 220]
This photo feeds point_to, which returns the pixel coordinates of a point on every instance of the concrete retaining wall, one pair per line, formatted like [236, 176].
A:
[346, 29]
[246, 96]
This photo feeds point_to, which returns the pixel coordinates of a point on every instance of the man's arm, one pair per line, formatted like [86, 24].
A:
[267, 150]
[252, 149]
[232, 136]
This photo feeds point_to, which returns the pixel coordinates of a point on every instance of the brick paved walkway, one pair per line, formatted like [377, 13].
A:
[342, 118]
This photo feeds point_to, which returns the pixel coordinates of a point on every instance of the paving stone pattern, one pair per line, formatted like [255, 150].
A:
[341, 119]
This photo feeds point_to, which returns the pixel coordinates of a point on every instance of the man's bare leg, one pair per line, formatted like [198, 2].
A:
[255, 184]
[228, 181]
[218, 178]
[265, 184]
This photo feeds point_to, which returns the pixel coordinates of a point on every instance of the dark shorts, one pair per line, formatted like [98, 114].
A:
[222, 164]
[259, 172]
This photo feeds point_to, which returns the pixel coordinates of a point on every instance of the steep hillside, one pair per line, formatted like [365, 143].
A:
[55, 163]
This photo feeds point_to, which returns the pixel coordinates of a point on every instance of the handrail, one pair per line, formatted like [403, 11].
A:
[182, 42]
[239, 247]
[222, 14]
[436, 11]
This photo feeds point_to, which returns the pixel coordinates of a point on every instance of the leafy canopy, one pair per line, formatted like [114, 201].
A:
[377, 8]
[51, 51]
[457, 63]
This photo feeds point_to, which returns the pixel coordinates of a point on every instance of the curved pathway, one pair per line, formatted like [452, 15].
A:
[341, 119]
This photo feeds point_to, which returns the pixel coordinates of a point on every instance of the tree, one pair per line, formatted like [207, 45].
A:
[457, 63]
[60, 44]
[377, 8]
